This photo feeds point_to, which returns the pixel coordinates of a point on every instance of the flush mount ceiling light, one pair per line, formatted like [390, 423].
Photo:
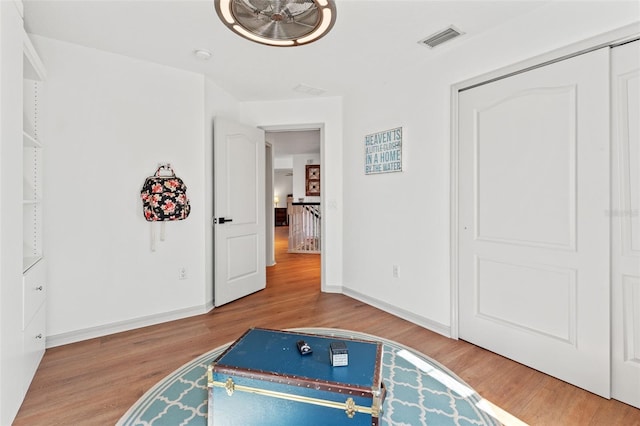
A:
[278, 22]
[202, 54]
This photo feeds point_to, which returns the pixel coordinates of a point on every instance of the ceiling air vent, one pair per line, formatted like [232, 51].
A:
[440, 37]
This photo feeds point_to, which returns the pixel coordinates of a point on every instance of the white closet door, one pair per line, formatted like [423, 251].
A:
[625, 221]
[534, 236]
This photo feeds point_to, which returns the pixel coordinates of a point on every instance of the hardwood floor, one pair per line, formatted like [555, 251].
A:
[94, 382]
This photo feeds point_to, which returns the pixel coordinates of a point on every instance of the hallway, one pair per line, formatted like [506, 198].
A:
[292, 271]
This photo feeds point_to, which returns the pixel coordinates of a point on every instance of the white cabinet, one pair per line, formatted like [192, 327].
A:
[33, 319]
[33, 292]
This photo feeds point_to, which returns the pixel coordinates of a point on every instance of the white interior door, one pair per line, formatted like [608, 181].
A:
[625, 221]
[239, 210]
[533, 237]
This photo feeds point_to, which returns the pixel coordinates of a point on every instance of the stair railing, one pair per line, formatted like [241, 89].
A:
[305, 228]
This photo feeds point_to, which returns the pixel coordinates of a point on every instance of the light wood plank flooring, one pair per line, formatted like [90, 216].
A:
[95, 381]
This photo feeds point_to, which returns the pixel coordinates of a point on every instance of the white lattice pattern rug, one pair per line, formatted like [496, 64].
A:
[419, 392]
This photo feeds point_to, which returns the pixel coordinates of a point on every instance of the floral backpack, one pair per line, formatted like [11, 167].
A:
[164, 197]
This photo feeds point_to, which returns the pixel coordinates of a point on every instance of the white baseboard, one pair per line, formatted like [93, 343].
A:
[120, 326]
[332, 289]
[394, 310]
[117, 327]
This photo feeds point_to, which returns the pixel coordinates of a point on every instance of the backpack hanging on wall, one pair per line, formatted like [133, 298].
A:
[164, 197]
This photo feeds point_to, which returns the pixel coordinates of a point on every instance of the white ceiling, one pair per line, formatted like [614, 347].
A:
[369, 42]
[288, 143]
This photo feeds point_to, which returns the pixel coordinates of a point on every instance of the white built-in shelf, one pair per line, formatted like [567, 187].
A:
[29, 141]
[33, 76]
[27, 125]
[33, 68]
[20, 6]
[29, 261]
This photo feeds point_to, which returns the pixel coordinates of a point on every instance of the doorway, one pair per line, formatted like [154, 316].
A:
[293, 273]
[293, 150]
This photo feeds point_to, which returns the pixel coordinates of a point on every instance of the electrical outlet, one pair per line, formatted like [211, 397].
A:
[396, 271]
[182, 273]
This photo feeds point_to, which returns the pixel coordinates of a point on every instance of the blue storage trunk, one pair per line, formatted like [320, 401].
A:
[262, 379]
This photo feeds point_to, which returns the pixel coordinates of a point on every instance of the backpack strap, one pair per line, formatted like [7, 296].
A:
[152, 234]
[166, 167]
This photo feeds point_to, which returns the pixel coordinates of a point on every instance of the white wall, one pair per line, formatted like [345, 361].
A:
[283, 163]
[305, 114]
[403, 218]
[109, 121]
[282, 185]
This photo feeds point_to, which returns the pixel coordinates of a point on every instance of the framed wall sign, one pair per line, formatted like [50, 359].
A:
[383, 152]
[312, 180]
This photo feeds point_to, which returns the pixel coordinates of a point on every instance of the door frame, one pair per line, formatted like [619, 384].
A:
[269, 238]
[612, 38]
[323, 215]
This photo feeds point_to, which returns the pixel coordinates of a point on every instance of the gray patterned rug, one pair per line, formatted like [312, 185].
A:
[419, 391]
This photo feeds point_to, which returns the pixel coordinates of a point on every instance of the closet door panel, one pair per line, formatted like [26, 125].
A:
[533, 236]
[625, 221]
